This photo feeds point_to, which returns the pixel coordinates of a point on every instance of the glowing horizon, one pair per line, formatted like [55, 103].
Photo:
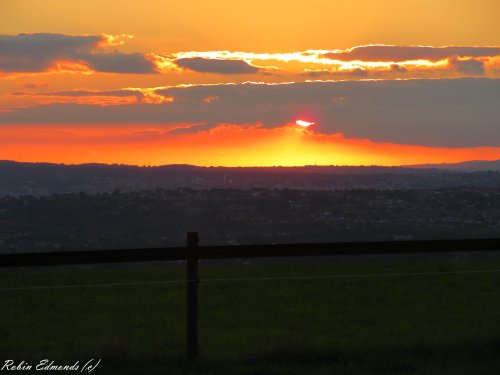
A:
[226, 145]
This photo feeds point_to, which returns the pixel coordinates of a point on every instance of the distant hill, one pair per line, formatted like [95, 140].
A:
[186, 168]
[467, 166]
[45, 178]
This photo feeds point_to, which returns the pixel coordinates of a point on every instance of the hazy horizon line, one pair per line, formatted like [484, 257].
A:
[249, 166]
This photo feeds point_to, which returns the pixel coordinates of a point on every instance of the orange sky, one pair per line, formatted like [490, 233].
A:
[97, 54]
[261, 25]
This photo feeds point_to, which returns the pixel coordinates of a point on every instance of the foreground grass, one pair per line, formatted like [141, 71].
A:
[262, 323]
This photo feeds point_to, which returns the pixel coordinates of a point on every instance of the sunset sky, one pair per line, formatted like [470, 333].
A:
[157, 82]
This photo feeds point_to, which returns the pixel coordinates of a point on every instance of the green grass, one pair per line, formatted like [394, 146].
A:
[412, 324]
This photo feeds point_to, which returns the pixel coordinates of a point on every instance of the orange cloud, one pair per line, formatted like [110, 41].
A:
[68, 66]
[98, 97]
[113, 40]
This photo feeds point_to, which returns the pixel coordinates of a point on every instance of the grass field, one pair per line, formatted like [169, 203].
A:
[266, 322]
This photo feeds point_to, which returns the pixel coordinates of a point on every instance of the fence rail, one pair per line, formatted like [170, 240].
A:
[192, 254]
[246, 251]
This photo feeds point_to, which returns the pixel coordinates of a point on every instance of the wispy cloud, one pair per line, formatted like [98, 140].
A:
[98, 97]
[389, 53]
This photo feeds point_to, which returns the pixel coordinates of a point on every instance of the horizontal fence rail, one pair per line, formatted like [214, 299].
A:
[192, 254]
[247, 251]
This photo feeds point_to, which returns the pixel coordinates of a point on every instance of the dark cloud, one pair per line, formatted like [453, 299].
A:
[202, 65]
[406, 53]
[352, 73]
[120, 63]
[432, 112]
[358, 72]
[469, 66]
[191, 129]
[316, 73]
[39, 52]
[398, 68]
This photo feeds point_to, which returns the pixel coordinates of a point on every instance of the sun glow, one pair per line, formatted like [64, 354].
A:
[303, 123]
[227, 145]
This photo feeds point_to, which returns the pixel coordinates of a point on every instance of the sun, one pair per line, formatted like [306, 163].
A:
[303, 123]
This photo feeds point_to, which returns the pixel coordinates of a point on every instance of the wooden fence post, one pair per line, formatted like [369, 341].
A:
[192, 295]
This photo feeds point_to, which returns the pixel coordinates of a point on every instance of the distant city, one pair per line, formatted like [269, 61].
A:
[40, 179]
[47, 207]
